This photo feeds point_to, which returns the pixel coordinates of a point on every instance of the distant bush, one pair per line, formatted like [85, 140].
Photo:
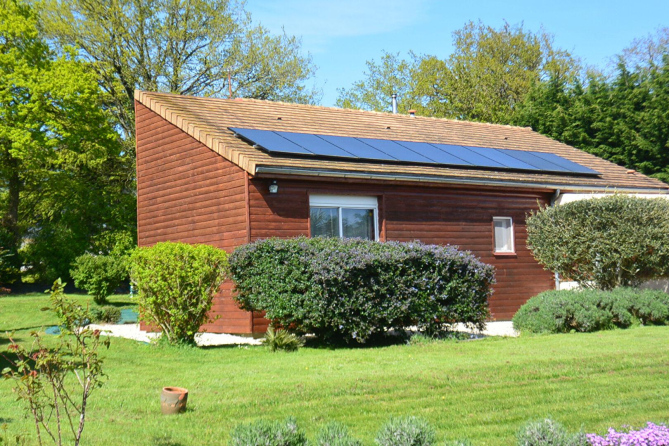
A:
[99, 275]
[650, 435]
[406, 431]
[335, 434]
[548, 433]
[106, 314]
[280, 339]
[267, 433]
[175, 284]
[352, 288]
[603, 243]
[591, 310]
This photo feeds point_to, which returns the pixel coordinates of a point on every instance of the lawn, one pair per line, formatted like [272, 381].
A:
[483, 390]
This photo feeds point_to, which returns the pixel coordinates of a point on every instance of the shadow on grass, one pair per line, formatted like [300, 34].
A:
[164, 441]
[379, 340]
[13, 329]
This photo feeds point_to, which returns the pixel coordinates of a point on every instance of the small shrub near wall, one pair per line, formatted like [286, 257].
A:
[350, 289]
[175, 284]
[603, 243]
[591, 310]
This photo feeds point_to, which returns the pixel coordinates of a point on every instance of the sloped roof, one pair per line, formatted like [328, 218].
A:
[208, 119]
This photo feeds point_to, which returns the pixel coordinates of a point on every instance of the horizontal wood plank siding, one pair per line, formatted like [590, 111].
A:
[188, 193]
[439, 215]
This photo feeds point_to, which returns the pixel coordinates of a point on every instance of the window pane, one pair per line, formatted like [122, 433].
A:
[324, 222]
[503, 235]
[358, 223]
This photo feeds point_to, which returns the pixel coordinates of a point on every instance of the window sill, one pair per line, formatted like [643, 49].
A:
[505, 254]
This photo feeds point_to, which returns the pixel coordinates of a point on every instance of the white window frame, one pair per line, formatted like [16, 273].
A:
[347, 202]
[511, 228]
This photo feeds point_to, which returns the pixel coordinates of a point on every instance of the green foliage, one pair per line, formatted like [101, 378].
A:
[335, 434]
[99, 275]
[489, 73]
[63, 174]
[406, 431]
[106, 315]
[280, 339]
[591, 310]
[548, 433]
[622, 118]
[56, 383]
[184, 48]
[351, 289]
[175, 284]
[266, 433]
[602, 243]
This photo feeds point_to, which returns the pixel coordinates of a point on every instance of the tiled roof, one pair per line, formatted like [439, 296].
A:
[208, 119]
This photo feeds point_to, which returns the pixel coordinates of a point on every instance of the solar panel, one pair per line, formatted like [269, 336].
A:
[328, 146]
[360, 149]
[316, 145]
[397, 151]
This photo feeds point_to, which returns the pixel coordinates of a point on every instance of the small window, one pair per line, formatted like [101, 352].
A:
[503, 234]
[343, 216]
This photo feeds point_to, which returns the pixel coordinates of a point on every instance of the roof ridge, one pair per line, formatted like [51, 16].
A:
[138, 93]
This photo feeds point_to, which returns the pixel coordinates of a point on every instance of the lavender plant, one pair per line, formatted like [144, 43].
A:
[650, 435]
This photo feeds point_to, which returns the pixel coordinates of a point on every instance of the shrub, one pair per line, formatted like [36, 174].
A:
[335, 434]
[176, 283]
[352, 288]
[406, 431]
[266, 433]
[548, 433]
[591, 310]
[106, 314]
[280, 339]
[651, 435]
[99, 275]
[602, 243]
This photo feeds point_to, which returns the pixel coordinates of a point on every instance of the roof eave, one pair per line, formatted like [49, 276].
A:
[264, 171]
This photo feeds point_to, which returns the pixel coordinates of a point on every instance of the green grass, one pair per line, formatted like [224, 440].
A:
[482, 390]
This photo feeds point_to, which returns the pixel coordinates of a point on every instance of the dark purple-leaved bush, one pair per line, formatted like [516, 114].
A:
[651, 435]
[352, 288]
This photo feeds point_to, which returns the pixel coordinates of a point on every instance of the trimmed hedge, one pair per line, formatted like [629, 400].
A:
[591, 310]
[350, 289]
[602, 243]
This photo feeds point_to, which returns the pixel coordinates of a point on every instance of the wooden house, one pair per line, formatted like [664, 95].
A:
[231, 171]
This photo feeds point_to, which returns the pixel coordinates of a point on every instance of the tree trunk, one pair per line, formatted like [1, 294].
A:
[11, 220]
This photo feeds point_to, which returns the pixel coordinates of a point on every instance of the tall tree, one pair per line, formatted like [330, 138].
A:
[622, 117]
[61, 162]
[179, 46]
[489, 73]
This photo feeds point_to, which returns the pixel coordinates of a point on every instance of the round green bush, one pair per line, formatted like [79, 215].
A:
[602, 243]
[99, 275]
[591, 310]
[351, 289]
[175, 286]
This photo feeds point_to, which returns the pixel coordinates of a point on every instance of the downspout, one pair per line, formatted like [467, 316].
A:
[552, 203]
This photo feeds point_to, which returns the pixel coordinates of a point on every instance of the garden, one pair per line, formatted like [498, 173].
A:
[590, 366]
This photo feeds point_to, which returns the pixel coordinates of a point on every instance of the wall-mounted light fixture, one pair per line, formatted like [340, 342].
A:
[274, 187]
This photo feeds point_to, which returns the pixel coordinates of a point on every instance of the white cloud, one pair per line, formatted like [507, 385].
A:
[323, 20]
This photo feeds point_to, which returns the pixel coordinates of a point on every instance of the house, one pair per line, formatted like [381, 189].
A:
[231, 171]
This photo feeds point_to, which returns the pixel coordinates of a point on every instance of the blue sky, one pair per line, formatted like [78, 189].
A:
[342, 34]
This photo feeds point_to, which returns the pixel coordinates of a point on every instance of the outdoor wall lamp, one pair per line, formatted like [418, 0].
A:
[274, 187]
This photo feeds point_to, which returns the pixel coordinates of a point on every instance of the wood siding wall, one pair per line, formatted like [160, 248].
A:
[440, 215]
[188, 193]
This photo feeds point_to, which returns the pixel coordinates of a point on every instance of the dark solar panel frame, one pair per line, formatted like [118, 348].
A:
[408, 152]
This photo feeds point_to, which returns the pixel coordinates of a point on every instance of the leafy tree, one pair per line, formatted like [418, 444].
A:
[63, 176]
[179, 47]
[489, 73]
[622, 118]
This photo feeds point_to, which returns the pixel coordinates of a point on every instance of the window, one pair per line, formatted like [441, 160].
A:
[343, 216]
[503, 234]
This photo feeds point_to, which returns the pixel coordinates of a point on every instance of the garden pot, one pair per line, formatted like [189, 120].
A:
[173, 400]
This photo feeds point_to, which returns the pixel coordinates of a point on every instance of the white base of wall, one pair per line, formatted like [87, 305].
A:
[660, 284]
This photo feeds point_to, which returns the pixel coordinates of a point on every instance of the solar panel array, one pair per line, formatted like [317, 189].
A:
[350, 148]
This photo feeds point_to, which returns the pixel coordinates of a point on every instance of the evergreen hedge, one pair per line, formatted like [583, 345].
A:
[351, 289]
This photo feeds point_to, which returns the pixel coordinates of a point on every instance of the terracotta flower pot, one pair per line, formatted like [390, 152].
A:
[173, 400]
